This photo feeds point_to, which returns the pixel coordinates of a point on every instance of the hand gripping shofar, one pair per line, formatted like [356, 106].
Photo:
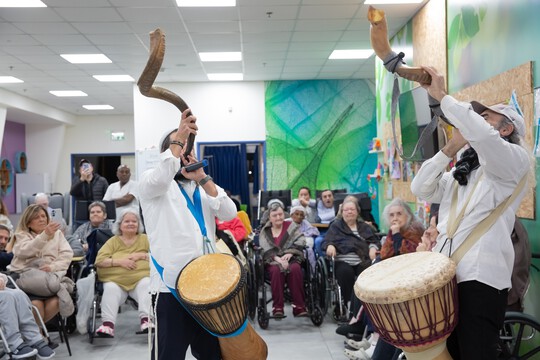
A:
[149, 74]
[392, 61]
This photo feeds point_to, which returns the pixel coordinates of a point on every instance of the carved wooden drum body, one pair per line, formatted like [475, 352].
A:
[214, 289]
[412, 302]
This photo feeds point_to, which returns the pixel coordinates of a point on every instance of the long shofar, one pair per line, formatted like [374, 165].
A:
[379, 42]
[149, 74]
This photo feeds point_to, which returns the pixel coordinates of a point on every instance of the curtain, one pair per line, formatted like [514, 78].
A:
[256, 174]
[227, 165]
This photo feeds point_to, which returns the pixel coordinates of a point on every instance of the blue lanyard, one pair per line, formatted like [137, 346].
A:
[195, 207]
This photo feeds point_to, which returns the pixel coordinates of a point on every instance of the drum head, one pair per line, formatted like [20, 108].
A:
[208, 279]
[404, 277]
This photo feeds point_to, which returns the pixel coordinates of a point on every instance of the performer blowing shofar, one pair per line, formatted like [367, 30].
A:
[180, 208]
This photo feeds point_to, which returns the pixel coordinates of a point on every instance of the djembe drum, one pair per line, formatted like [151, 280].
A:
[411, 300]
[213, 288]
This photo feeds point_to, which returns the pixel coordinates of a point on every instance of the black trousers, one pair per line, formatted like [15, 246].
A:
[481, 316]
[177, 330]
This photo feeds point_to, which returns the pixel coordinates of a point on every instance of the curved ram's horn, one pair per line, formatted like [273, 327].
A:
[149, 74]
[379, 42]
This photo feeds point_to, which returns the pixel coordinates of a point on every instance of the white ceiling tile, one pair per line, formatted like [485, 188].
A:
[89, 14]
[47, 28]
[328, 12]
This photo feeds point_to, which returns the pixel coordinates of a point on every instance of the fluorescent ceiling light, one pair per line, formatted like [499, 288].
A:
[98, 107]
[86, 58]
[9, 80]
[226, 76]
[221, 56]
[388, 2]
[205, 3]
[111, 78]
[22, 3]
[351, 54]
[66, 93]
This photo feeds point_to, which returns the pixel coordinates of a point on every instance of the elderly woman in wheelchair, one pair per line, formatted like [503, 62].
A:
[123, 267]
[282, 246]
[352, 243]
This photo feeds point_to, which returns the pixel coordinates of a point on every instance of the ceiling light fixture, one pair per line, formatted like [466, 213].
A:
[67, 93]
[98, 107]
[226, 77]
[351, 54]
[9, 80]
[113, 78]
[205, 3]
[390, 2]
[22, 3]
[220, 56]
[86, 58]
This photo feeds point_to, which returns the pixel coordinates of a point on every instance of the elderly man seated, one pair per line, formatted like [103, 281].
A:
[326, 214]
[98, 220]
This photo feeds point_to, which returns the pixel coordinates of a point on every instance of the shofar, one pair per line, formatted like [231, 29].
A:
[392, 61]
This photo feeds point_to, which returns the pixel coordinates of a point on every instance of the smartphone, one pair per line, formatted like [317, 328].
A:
[86, 166]
[56, 215]
[197, 165]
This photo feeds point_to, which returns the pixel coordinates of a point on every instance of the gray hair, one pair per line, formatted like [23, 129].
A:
[41, 196]
[97, 203]
[350, 199]
[116, 226]
[398, 202]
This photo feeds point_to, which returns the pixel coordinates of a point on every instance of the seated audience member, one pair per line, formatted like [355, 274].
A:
[298, 215]
[265, 217]
[325, 207]
[97, 212]
[123, 267]
[5, 256]
[42, 199]
[20, 329]
[282, 246]
[4, 216]
[123, 192]
[352, 243]
[309, 204]
[38, 243]
[235, 226]
[404, 230]
[325, 215]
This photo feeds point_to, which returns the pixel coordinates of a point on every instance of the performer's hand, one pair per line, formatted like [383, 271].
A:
[196, 175]
[186, 127]
[437, 88]
[454, 144]
[394, 228]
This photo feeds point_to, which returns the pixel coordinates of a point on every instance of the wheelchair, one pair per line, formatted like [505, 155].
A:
[312, 298]
[329, 291]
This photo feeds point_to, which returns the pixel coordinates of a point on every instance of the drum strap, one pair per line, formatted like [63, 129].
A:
[485, 224]
[160, 269]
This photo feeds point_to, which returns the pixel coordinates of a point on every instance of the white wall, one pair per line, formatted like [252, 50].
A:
[225, 111]
[92, 134]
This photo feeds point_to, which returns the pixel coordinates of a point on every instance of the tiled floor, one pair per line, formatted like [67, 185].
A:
[290, 338]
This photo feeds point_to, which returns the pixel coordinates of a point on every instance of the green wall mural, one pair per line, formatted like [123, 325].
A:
[486, 38]
[318, 135]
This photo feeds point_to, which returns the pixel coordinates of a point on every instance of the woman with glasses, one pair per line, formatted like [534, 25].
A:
[282, 244]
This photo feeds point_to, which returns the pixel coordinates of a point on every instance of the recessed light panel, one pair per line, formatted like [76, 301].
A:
[113, 78]
[67, 93]
[86, 58]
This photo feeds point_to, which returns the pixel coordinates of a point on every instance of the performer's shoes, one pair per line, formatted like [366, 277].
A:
[105, 331]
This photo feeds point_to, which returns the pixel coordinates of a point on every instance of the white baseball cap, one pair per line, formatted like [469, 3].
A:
[505, 110]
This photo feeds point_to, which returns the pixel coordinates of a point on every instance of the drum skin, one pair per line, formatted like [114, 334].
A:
[412, 301]
[213, 287]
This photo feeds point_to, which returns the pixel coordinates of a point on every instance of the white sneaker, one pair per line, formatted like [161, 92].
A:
[359, 354]
[363, 344]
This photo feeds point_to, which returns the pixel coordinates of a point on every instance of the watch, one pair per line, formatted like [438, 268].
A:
[206, 179]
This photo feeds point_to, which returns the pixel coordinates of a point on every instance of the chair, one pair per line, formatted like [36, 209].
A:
[56, 201]
[264, 196]
[365, 205]
[335, 191]
[58, 322]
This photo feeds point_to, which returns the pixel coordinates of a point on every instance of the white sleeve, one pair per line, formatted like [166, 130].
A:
[155, 182]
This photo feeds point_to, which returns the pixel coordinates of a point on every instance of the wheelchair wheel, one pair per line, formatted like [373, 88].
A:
[91, 324]
[262, 316]
[519, 337]
[317, 316]
[321, 287]
[252, 291]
